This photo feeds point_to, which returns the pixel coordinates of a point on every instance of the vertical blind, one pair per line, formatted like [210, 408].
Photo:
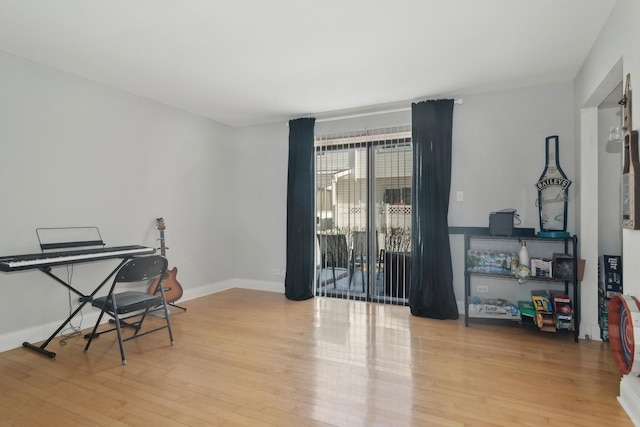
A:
[363, 212]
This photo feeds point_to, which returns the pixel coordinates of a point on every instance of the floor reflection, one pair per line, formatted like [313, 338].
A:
[362, 356]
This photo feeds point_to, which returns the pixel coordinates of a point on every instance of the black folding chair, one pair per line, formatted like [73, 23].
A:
[358, 256]
[129, 309]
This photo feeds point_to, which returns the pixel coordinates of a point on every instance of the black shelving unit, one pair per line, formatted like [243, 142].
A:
[568, 244]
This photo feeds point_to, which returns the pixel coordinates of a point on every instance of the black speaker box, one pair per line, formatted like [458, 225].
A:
[501, 223]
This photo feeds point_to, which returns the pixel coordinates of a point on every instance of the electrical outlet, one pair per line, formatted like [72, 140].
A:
[482, 289]
[460, 196]
[276, 272]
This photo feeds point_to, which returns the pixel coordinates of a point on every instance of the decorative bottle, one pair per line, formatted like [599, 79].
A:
[523, 270]
[553, 193]
[524, 254]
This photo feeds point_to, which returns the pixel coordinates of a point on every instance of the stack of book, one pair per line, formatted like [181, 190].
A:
[544, 311]
[549, 311]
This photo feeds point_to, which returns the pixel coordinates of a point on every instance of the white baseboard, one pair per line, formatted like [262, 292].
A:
[629, 397]
[40, 333]
[213, 288]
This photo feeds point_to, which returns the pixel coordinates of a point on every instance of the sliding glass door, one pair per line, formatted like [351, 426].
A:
[363, 212]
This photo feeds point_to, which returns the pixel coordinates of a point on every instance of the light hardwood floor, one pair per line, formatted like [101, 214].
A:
[252, 358]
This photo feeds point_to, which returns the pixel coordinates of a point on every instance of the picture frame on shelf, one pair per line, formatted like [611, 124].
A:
[563, 266]
[541, 267]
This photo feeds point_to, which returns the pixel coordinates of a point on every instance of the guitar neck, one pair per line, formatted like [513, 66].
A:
[163, 249]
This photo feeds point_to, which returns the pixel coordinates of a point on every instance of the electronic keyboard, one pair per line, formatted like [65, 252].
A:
[48, 259]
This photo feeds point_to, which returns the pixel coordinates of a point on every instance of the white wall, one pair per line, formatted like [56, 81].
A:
[609, 170]
[617, 44]
[76, 153]
[260, 202]
[499, 152]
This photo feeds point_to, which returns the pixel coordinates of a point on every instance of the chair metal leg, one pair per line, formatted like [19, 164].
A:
[351, 269]
[120, 343]
[166, 316]
[118, 329]
[335, 282]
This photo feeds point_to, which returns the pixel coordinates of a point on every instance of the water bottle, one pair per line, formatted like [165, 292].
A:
[523, 271]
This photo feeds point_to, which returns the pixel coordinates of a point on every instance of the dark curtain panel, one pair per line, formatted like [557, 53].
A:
[298, 282]
[431, 285]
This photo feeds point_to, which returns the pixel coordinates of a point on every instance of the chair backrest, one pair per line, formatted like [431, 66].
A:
[143, 268]
[380, 241]
[360, 243]
[334, 250]
[318, 253]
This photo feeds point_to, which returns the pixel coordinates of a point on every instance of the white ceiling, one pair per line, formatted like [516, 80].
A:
[243, 62]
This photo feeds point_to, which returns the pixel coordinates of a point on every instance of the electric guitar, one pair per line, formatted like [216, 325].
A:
[172, 289]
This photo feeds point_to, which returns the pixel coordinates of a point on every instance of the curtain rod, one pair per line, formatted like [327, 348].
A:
[374, 113]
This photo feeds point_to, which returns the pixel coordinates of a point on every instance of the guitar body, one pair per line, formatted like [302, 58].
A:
[171, 286]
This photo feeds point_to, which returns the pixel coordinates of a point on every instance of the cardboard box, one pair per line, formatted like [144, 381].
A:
[546, 321]
[496, 308]
[544, 311]
[527, 309]
[603, 315]
[610, 274]
[561, 302]
[527, 312]
[564, 323]
[581, 265]
[562, 310]
[541, 301]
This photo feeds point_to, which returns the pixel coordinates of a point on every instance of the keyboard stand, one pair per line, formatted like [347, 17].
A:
[177, 306]
[71, 244]
[84, 299]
